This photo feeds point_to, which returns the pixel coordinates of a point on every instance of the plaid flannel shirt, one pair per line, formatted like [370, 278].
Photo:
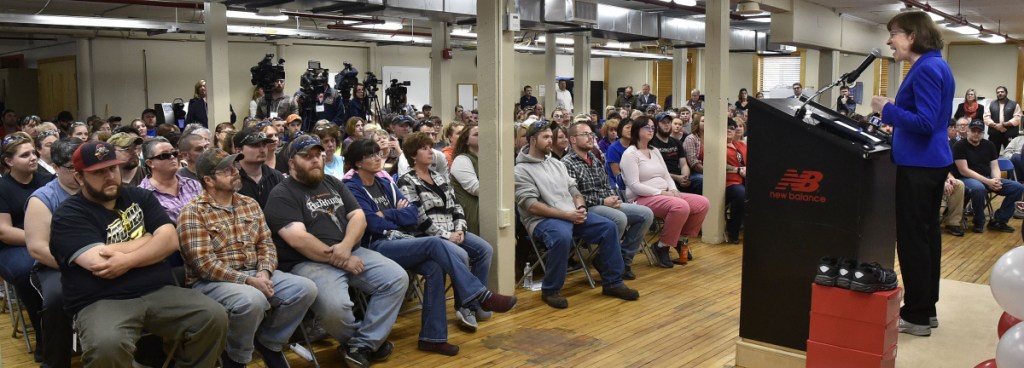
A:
[591, 179]
[437, 216]
[219, 242]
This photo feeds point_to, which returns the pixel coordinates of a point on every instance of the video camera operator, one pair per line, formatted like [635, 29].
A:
[317, 100]
[270, 78]
[359, 106]
[397, 98]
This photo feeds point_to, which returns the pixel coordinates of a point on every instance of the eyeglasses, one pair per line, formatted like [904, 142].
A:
[165, 156]
[591, 135]
[648, 127]
[558, 116]
[378, 155]
[894, 33]
[229, 171]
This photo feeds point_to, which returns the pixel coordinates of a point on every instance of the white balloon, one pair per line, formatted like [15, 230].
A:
[1007, 282]
[1010, 352]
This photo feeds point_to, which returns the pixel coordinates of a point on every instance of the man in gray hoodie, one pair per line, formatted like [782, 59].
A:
[554, 212]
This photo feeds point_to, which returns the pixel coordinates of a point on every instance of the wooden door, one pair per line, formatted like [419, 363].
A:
[663, 80]
[58, 87]
[691, 76]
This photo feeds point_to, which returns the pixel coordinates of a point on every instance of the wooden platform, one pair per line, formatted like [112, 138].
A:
[686, 317]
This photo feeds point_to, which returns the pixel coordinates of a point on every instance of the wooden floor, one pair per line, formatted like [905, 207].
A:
[686, 317]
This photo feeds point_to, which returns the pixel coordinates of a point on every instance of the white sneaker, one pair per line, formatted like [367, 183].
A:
[466, 320]
[916, 330]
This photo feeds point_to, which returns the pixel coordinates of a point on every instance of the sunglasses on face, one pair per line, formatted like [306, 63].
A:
[165, 156]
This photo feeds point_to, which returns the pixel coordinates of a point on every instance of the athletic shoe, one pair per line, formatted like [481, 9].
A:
[1000, 226]
[628, 274]
[273, 359]
[622, 292]
[828, 271]
[933, 322]
[482, 315]
[442, 348]
[955, 230]
[662, 255]
[555, 300]
[978, 229]
[465, 319]
[358, 357]
[872, 277]
[383, 352]
[916, 330]
[846, 267]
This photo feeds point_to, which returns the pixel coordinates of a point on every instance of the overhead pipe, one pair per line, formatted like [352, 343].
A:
[958, 19]
[159, 3]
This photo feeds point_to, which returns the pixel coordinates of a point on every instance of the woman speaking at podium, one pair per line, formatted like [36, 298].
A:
[919, 116]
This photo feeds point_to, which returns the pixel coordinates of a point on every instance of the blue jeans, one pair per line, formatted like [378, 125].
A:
[16, 268]
[434, 257]
[557, 235]
[384, 281]
[696, 184]
[478, 254]
[632, 221]
[1011, 190]
[249, 311]
[736, 199]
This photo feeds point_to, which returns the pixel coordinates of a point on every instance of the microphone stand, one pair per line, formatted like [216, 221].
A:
[802, 111]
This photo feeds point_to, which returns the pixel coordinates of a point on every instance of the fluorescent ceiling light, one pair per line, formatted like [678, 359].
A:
[935, 17]
[253, 16]
[962, 29]
[616, 45]
[686, 2]
[558, 40]
[760, 19]
[387, 26]
[991, 38]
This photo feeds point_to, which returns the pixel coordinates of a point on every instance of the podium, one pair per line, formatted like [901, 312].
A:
[817, 187]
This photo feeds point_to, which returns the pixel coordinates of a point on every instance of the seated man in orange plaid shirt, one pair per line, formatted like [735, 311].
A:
[230, 257]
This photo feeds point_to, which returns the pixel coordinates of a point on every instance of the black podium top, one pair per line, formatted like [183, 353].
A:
[827, 124]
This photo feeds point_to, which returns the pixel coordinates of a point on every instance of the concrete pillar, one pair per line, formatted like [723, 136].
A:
[442, 94]
[679, 92]
[716, 67]
[83, 66]
[497, 86]
[828, 73]
[218, 88]
[701, 58]
[581, 74]
[550, 72]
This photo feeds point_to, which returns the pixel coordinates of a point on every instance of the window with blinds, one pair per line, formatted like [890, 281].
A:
[779, 71]
[881, 77]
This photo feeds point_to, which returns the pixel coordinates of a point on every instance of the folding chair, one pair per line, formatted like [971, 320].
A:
[542, 255]
[19, 324]
[658, 224]
[302, 330]
[1006, 166]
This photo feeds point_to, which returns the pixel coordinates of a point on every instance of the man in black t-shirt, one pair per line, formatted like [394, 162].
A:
[258, 179]
[110, 246]
[675, 157]
[317, 225]
[977, 165]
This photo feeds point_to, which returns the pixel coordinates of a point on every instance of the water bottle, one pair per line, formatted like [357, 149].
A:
[527, 277]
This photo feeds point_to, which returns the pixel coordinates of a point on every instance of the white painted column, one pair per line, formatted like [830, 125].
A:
[828, 73]
[550, 72]
[581, 74]
[218, 85]
[716, 68]
[442, 96]
[83, 66]
[498, 91]
[679, 92]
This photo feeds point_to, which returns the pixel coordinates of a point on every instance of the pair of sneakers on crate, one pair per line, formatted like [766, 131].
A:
[849, 274]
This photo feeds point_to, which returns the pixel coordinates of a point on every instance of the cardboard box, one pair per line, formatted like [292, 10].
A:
[879, 308]
[852, 334]
[821, 355]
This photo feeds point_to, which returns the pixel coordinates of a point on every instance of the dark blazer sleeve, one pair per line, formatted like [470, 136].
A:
[960, 111]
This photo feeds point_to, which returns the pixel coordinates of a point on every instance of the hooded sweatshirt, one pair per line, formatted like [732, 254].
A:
[545, 180]
[394, 218]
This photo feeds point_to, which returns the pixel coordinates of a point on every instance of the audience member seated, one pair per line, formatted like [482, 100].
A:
[110, 247]
[44, 141]
[674, 155]
[609, 135]
[440, 163]
[317, 225]
[190, 147]
[555, 212]
[977, 166]
[353, 131]
[451, 134]
[127, 147]
[614, 153]
[231, 258]
[334, 164]
[258, 179]
[275, 160]
[584, 166]
[440, 215]
[173, 191]
[693, 145]
[465, 182]
[953, 199]
[389, 220]
[57, 333]
[561, 139]
[392, 149]
[735, 181]
[648, 183]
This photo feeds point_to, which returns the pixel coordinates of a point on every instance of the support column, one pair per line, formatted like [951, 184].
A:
[442, 96]
[498, 91]
[717, 73]
[83, 67]
[551, 71]
[581, 74]
[828, 73]
[679, 92]
[218, 88]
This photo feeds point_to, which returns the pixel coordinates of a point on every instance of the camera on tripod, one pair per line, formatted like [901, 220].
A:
[265, 74]
[396, 90]
[370, 84]
[346, 80]
[314, 81]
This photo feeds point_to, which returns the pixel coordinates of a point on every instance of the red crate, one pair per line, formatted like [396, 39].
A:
[821, 355]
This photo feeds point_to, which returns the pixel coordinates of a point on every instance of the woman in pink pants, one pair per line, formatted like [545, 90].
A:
[648, 183]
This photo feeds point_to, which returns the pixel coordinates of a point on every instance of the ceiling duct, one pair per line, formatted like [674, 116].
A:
[626, 25]
[691, 32]
[570, 12]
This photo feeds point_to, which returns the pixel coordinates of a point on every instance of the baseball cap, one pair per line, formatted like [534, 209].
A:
[976, 124]
[662, 116]
[731, 124]
[215, 159]
[581, 118]
[292, 118]
[537, 126]
[250, 136]
[124, 140]
[95, 155]
[303, 144]
[403, 120]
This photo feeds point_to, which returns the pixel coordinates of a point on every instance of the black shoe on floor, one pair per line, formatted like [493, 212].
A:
[955, 230]
[978, 229]
[273, 359]
[383, 352]
[846, 268]
[358, 357]
[872, 277]
[662, 255]
[226, 362]
[1000, 226]
[628, 274]
[828, 271]
[622, 292]
[555, 300]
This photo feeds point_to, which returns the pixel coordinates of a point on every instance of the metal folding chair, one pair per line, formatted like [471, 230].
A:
[19, 324]
[542, 255]
[657, 225]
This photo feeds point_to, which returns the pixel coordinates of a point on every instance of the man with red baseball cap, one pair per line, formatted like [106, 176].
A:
[110, 246]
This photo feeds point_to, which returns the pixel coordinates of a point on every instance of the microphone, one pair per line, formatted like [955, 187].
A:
[850, 77]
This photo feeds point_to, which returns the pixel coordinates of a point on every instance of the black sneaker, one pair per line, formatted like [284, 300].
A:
[1000, 226]
[383, 352]
[358, 357]
[628, 274]
[846, 267]
[662, 256]
[872, 277]
[272, 359]
[978, 228]
[828, 271]
[955, 230]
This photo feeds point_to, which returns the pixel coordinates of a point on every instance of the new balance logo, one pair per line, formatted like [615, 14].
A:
[804, 182]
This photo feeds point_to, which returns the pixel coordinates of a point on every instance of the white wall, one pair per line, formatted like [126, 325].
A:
[984, 67]
[848, 62]
[624, 72]
[741, 75]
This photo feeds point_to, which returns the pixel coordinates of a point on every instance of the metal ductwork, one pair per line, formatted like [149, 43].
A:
[626, 24]
[570, 12]
[690, 33]
[429, 10]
